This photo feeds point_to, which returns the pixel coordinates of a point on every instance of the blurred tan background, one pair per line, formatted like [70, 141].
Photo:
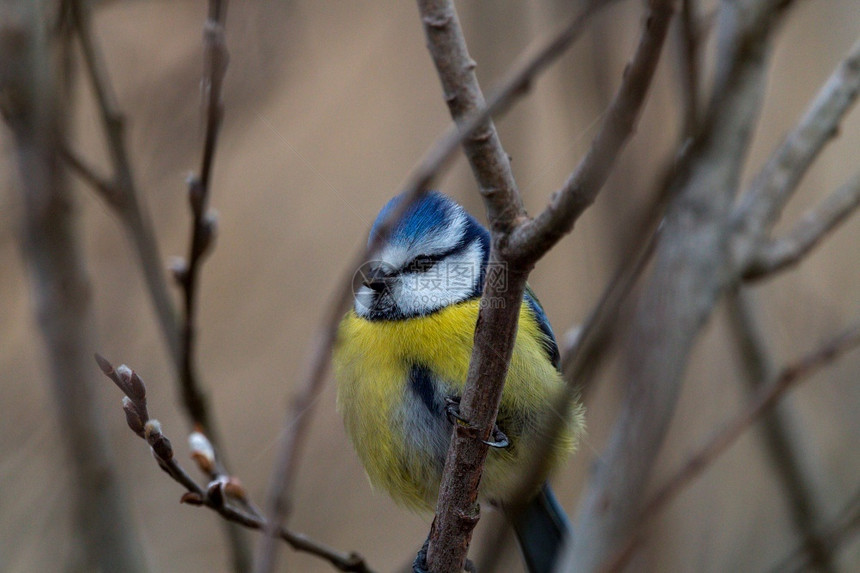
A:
[328, 106]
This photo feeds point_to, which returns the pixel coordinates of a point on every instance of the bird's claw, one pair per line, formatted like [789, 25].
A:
[452, 410]
[500, 439]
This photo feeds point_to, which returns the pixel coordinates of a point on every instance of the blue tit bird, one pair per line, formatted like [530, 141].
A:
[401, 361]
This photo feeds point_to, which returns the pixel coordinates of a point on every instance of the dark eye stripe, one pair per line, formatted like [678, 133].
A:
[423, 263]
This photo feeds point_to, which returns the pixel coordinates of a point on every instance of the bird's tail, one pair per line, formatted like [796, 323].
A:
[541, 530]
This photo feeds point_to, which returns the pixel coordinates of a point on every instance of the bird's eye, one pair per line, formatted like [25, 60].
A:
[421, 263]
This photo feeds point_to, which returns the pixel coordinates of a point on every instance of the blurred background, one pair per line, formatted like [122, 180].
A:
[328, 106]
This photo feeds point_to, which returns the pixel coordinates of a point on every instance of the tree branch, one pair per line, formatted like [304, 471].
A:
[532, 239]
[690, 269]
[34, 102]
[490, 164]
[457, 511]
[223, 492]
[122, 194]
[772, 188]
[776, 429]
[699, 461]
[780, 254]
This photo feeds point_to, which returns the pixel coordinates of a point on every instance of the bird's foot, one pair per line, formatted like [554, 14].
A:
[452, 409]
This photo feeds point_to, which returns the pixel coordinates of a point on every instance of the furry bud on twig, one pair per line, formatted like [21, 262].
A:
[137, 389]
[202, 451]
[132, 417]
[160, 444]
[178, 268]
[196, 194]
[124, 373]
[208, 231]
[105, 366]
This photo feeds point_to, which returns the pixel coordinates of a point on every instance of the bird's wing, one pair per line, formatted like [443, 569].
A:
[549, 341]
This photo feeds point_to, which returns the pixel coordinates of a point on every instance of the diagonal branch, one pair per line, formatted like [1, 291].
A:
[224, 494]
[698, 462]
[782, 452]
[122, 194]
[689, 271]
[532, 239]
[774, 186]
[780, 254]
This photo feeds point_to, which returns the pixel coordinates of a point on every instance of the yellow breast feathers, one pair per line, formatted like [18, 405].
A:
[393, 378]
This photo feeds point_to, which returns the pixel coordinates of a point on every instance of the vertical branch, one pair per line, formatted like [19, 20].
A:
[121, 192]
[34, 104]
[517, 244]
[784, 457]
[203, 222]
[690, 269]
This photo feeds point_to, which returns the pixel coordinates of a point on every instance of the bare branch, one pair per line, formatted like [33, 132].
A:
[774, 186]
[690, 269]
[102, 185]
[780, 254]
[782, 452]
[532, 239]
[490, 164]
[457, 512]
[124, 197]
[34, 103]
[203, 223]
[223, 492]
[699, 461]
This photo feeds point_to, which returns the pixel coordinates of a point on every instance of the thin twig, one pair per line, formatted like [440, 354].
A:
[689, 270]
[699, 461]
[203, 223]
[35, 103]
[772, 188]
[102, 185]
[782, 452]
[223, 491]
[785, 252]
[124, 196]
[532, 239]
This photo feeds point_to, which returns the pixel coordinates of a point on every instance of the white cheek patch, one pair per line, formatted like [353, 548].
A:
[448, 282]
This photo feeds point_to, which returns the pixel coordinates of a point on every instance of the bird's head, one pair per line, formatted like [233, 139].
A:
[435, 256]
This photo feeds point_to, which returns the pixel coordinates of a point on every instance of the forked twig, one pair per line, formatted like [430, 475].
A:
[223, 494]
